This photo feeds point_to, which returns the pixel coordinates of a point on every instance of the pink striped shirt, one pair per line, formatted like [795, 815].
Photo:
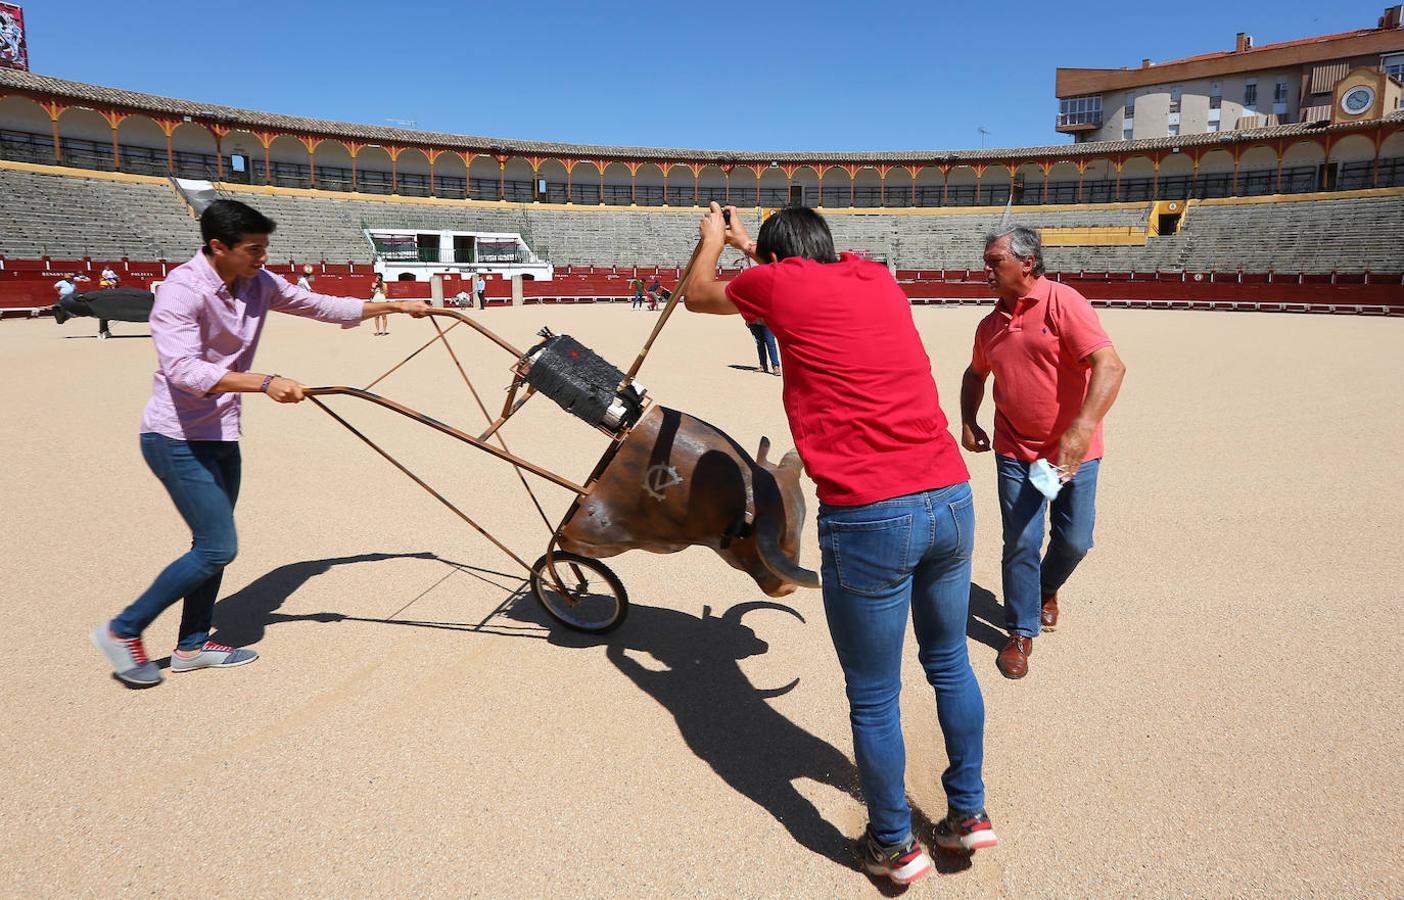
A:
[203, 330]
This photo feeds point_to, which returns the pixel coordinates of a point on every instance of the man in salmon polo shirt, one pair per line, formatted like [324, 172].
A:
[1056, 375]
[896, 520]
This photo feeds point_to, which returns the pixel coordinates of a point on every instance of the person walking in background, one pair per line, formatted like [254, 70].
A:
[206, 325]
[382, 323]
[480, 289]
[765, 343]
[108, 279]
[896, 518]
[654, 287]
[1056, 376]
[638, 286]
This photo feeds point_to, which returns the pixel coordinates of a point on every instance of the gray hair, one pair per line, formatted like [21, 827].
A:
[1024, 243]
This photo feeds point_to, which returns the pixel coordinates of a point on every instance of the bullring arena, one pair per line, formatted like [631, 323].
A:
[1219, 711]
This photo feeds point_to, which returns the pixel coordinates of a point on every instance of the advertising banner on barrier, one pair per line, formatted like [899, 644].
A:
[13, 52]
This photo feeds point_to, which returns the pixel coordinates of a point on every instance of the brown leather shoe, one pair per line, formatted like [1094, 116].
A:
[1048, 617]
[1013, 660]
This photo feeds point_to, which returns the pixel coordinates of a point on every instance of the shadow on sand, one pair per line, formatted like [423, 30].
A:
[689, 665]
[986, 623]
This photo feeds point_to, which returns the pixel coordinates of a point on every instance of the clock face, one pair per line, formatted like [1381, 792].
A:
[1357, 100]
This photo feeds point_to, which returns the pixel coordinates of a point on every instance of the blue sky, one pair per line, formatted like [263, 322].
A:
[816, 76]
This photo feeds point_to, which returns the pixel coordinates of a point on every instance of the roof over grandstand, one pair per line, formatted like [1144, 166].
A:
[13, 81]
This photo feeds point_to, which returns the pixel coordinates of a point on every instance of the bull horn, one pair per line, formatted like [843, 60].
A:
[772, 693]
[791, 460]
[784, 568]
[764, 449]
[735, 614]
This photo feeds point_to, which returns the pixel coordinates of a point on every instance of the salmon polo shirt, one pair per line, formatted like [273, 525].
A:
[858, 392]
[1038, 356]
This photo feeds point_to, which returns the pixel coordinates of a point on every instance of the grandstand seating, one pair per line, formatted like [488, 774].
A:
[73, 217]
[55, 220]
[1291, 235]
[68, 216]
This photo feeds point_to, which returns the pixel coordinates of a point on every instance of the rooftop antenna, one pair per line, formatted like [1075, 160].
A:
[983, 133]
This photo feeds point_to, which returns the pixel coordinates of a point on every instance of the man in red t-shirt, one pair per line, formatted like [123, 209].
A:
[1056, 375]
[896, 519]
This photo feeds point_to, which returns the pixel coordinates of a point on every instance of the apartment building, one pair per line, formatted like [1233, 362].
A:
[1248, 87]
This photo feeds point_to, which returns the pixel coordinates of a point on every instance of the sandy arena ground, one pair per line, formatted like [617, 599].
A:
[1219, 713]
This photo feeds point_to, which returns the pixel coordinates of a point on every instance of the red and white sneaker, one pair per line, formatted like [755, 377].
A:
[903, 863]
[968, 831]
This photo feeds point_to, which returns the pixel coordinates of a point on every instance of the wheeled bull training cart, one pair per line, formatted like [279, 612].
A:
[577, 589]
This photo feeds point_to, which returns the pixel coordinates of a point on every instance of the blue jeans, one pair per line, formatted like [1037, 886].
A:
[765, 341]
[202, 478]
[1072, 515]
[878, 560]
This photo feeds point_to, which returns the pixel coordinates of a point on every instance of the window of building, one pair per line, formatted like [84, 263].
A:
[1279, 96]
[1393, 66]
[1250, 95]
[1174, 128]
[1213, 125]
[1175, 99]
[1216, 94]
[1080, 111]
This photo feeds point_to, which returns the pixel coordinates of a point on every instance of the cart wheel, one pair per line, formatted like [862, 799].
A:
[594, 600]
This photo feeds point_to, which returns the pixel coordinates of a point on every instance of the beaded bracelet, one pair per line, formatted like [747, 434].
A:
[267, 380]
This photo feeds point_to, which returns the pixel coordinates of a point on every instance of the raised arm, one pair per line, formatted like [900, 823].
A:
[704, 293]
[299, 301]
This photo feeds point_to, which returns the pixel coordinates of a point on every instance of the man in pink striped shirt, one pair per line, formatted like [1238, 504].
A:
[206, 324]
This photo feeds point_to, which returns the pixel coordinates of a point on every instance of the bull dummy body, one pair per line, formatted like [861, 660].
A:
[676, 482]
[115, 304]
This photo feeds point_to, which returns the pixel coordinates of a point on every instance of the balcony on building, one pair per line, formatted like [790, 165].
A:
[1077, 114]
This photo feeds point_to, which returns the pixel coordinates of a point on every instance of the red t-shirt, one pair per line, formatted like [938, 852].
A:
[1037, 354]
[859, 394]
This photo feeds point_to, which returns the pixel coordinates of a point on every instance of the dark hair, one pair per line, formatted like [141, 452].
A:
[227, 221]
[796, 231]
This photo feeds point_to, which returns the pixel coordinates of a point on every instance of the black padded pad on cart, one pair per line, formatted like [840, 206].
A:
[579, 380]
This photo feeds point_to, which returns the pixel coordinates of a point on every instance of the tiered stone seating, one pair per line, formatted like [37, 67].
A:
[71, 217]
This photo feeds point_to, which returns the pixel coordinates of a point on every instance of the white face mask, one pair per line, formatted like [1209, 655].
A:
[1047, 477]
